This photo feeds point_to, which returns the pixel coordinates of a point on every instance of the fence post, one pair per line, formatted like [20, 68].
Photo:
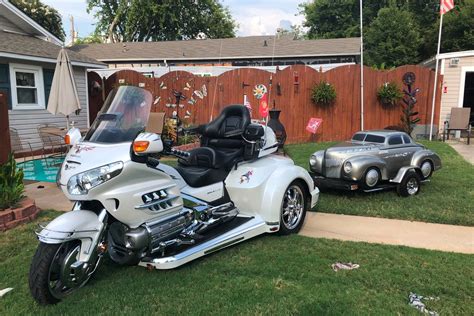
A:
[4, 128]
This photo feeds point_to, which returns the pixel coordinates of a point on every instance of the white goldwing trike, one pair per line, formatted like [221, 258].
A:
[141, 211]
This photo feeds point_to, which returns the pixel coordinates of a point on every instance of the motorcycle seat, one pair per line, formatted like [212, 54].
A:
[196, 176]
[222, 146]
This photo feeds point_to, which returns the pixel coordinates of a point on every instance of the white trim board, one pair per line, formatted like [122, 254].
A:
[31, 22]
[465, 53]
[49, 60]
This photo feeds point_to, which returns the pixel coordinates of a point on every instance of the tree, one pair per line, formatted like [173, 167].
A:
[392, 38]
[152, 20]
[46, 16]
[91, 39]
[458, 31]
[336, 19]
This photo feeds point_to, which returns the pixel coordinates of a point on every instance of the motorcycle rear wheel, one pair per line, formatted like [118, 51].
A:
[51, 276]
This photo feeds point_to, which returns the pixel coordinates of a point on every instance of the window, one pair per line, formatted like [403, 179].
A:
[375, 139]
[27, 87]
[406, 139]
[395, 140]
[358, 137]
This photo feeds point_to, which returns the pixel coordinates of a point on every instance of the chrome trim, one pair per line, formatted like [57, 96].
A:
[252, 228]
[155, 202]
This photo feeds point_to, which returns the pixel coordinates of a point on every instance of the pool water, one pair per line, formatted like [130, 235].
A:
[41, 169]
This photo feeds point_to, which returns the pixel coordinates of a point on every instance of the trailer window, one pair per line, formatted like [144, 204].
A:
[406, 139]
[358, 137]
[374, 139]
[395, 140]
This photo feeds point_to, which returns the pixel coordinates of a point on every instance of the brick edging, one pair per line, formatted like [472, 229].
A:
[26, 212]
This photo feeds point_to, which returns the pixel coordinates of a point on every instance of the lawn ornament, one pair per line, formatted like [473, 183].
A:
[375, 160]
[138, 210]
[259, 91]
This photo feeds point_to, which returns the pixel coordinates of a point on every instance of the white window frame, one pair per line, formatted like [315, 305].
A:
[38, 73]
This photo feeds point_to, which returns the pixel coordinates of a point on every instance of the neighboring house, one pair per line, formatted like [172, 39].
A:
[458, 82]
[28, 55]
[239, 51]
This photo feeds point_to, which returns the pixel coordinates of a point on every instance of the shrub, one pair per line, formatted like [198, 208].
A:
[11, 184]
[389, 94]
[323, 93]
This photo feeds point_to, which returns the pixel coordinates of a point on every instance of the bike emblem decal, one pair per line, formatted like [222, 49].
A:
[79, 148]
[246, 176]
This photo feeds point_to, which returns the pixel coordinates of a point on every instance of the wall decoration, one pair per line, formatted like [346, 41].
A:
[323, 93]
[158, 98]
[192, 101]
[409, 117]
[259, 91]
[389, 94]
[263, 109]
[188, 86]
[313, 124]
[204, 90]
[199, 94]
[162, 86]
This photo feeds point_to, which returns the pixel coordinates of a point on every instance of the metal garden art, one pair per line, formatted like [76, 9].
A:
[408, 118]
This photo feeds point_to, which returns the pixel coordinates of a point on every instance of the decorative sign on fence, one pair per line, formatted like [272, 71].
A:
[263, 109]
[313, 124]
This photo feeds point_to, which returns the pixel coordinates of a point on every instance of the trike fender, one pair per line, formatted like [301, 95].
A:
[257, 188]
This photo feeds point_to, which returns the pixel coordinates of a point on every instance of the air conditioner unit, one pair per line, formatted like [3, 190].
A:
[454, 62]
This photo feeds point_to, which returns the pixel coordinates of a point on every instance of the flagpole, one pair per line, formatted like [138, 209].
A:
[361, 72]
[436, 77]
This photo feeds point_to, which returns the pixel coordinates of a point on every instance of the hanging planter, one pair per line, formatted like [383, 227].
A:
[323, 94]
[389, 94]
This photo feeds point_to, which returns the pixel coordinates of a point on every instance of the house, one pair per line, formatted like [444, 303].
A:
[28, 55]
[239, 51]
[458, 82]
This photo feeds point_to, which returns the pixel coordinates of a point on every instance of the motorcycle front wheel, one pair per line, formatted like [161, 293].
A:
[53, 274]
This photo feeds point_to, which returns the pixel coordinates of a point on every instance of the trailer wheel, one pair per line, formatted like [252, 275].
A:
[410, 184]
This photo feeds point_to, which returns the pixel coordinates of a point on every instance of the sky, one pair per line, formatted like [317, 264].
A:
[261, 17]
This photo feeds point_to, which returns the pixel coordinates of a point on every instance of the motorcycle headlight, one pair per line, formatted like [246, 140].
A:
[347, 167]
[81, 183]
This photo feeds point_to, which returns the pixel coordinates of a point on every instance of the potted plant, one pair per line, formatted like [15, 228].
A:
[11, 184]
[389, 94]
[323, 93]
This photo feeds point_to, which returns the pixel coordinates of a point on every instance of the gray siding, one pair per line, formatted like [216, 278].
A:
[5, 24]
[27, 121]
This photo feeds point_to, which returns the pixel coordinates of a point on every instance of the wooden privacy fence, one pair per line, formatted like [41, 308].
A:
[290, 91]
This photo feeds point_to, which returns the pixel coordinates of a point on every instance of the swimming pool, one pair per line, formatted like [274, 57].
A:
[41, 169]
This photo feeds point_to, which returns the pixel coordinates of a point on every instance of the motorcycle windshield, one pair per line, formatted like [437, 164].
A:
[122, 117]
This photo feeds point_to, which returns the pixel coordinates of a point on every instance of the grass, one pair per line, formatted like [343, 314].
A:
[266, 275]
[447, 198]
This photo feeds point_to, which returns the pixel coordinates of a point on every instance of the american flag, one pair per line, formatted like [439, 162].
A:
[445, 6]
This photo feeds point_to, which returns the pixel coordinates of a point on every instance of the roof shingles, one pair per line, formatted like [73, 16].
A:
[229, 48]
[31, 46]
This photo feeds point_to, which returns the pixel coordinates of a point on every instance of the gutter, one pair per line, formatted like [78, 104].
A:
[219, 58]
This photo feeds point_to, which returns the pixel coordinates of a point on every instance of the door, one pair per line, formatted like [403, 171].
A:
[468, 99]
[399, 154]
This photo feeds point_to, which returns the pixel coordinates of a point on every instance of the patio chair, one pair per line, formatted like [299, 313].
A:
[18, 145]
[458, 121]
[156, 122]
[51, 142]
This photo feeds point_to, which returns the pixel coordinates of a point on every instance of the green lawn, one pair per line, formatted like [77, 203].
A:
[267, 275]
[447, 199]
